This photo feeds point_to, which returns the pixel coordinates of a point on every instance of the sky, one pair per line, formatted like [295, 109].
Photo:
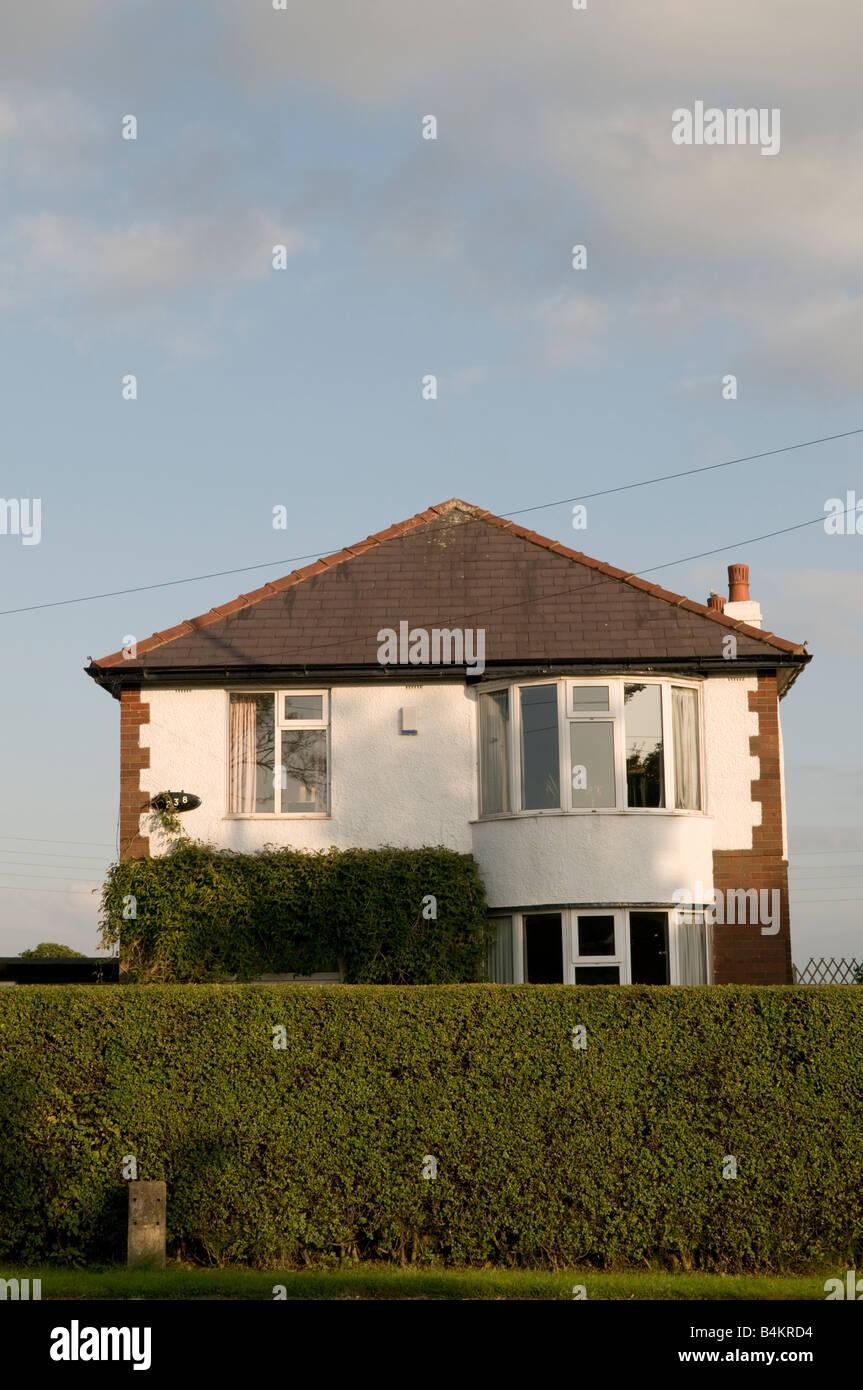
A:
[407, 257]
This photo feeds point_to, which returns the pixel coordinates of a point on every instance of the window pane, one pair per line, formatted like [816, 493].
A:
[592, 763]
[540, 752]
[494, 752]
[692, 949]
[596, 936]
[687, 761]
[648, 945]
[304, 770]
[303, 707]
[589, 697]
[597, 974]
[499, 959]
[644, 769]
[251, 760]
[543, 949]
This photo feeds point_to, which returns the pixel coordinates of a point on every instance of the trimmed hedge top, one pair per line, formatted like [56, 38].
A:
[295, 1123]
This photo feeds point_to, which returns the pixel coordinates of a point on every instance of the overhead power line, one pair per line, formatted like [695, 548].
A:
[45, 854]
[323, 554]
[37, 840]
[685, 473]
[67, 892]
[10, 873]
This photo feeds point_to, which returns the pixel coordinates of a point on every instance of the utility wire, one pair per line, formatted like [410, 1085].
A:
[45, 854]
[315, 555]
[592, 583]
[36, 839]
[685, 473]
[67, 892]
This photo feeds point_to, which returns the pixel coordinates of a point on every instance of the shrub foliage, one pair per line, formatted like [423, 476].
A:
[547, 1155]
[207, 914]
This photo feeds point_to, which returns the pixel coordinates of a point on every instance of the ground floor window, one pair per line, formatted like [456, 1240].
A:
[600, 946]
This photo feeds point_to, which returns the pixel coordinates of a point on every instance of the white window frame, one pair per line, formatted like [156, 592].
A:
[322, 723]
[282, 724]
[616, 715]
[622, 957]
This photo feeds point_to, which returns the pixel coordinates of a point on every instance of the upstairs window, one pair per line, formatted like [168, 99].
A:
[687, 759]
[645, 775]
[540, 751]
[590, 745]
[494, 752]
[278, 759]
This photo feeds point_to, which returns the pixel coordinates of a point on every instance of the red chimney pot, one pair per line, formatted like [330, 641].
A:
[716, 602]
[738, 583]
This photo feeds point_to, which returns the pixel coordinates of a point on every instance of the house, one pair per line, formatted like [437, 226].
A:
[609, 751]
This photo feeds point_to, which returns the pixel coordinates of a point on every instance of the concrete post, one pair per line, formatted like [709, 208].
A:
[146, 1225]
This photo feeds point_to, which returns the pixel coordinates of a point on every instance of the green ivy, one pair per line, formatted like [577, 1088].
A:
[209, 914]
[547, 1155]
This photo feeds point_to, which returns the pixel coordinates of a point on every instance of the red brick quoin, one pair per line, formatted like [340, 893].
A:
[741, 955]
[133, 802]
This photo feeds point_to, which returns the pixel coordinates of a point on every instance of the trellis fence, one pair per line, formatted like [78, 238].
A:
[829, 972]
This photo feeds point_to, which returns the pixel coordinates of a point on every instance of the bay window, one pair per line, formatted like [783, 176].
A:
[687, 761]
[494, 740]
[645, 781]
[601, 946]
[590, 745]
[540, 752]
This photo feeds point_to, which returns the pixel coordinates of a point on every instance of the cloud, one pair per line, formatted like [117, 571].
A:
[73, 263]
[554, 126]
[468, 377]
[571, 328]
[575, 110]
[52, 142]
[379, 53]
[817, 345]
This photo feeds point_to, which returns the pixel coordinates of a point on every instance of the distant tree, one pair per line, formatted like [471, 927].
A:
[51, 950]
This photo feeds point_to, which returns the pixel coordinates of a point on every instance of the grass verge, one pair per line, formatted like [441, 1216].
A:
[386, 1281]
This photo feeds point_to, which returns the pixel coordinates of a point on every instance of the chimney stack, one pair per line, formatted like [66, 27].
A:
[738, 584]
[739, 604]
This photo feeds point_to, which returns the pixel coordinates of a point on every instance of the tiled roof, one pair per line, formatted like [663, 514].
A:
[453, 566]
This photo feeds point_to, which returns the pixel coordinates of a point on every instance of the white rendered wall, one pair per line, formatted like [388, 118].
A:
[406, 790]
[730, 768]
[611, 858]
[387, 787]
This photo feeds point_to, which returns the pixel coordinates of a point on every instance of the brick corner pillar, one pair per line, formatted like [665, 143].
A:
[133, 802]
[742, 955]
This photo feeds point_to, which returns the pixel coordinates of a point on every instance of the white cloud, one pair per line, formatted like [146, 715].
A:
[51, 142]
[571, 329]
[467, 377]
[818, 344]
[120, 268]
[554, 127]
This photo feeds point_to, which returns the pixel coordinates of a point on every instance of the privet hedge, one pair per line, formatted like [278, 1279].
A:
[547, 1154]
[205, 914]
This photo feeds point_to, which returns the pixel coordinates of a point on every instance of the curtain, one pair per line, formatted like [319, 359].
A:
[692, 949]
[687, 771]
[494, 744]
[244, 761]
[499, 960]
